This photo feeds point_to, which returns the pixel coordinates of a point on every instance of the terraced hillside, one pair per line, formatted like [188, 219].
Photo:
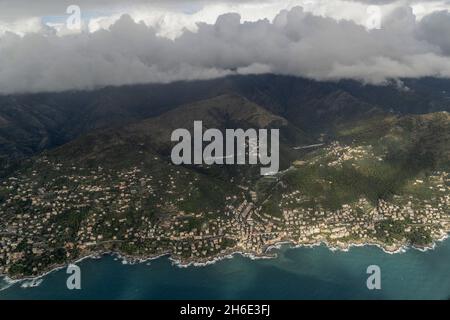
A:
[378, 178]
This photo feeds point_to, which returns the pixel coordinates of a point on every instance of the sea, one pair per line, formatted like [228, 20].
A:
[296, 273]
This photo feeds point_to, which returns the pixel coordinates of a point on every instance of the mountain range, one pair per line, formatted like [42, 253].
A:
[31, 123]
[91, 171]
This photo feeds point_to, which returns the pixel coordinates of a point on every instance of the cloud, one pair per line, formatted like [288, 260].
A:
[295, 42]
[171, 16]
[434, 29]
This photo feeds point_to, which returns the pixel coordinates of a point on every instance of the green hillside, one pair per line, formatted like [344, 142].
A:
[371, 177]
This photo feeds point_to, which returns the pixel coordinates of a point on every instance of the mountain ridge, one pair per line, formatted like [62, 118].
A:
[33, 123]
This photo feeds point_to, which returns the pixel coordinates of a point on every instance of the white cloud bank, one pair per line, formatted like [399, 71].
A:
[294, 42]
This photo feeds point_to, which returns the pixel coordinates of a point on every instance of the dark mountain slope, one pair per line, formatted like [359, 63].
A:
[153, 135]
[31, 123]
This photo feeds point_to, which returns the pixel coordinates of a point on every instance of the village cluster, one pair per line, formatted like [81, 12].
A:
[79, 211]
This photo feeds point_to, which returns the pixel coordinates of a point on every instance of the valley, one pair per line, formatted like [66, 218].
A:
[378, 178]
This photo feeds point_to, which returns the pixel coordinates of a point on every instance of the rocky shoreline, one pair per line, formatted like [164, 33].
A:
[269, 252]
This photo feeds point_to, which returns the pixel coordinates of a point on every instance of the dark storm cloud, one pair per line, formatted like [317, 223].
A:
[294, 43]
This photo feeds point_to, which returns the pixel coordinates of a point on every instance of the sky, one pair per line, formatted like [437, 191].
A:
[57, 45]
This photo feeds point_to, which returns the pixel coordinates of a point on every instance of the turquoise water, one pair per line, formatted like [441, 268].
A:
[297, 273]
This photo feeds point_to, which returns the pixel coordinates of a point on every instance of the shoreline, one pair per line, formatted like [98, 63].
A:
[36, 280]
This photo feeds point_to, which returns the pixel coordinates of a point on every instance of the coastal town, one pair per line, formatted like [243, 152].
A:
[140, 212]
